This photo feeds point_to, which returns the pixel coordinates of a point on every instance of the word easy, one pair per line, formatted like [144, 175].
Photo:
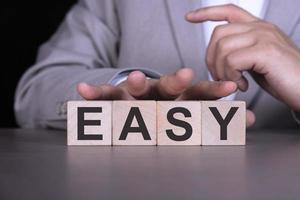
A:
[156, 123]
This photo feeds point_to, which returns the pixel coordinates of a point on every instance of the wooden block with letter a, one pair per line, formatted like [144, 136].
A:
[134, 123]
[178, 123]
[223, 123]
[89, 122]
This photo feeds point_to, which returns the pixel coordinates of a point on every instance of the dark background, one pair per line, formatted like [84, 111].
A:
[24, 26]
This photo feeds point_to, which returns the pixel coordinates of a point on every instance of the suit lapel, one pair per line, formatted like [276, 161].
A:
[284, 14]
[189, 40]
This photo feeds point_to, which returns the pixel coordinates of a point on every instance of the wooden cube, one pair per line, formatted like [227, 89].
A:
[134, 123]
[89, 122]
[223, 123]
[178, 123]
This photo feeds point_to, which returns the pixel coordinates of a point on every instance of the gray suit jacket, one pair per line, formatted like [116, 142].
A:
[101, 38]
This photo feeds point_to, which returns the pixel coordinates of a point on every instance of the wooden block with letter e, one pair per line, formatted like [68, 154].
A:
[89, 122]
[134, 123]
[178, 123]
[223, 123]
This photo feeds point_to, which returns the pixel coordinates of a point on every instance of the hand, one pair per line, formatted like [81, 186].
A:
[177, 86]
[247, 43]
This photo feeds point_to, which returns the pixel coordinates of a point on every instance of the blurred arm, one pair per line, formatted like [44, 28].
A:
[84, 49]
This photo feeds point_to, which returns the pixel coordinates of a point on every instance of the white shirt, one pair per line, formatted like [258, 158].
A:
[255, 7]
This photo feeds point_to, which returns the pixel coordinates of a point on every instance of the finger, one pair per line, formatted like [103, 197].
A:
[250, 118]
[242, 60]
[103, 92]
[219, 33]
[171, 86]
[228, 45]
[209, 90]
[137, 85]
[228, 12]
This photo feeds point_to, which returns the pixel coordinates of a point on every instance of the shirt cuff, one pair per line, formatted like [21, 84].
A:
[119, 79]
[122, 76]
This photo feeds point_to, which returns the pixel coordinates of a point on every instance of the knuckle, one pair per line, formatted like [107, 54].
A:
[232, 6]
[265, 35]
[259, 35]
[271, 26]
[271, 34]
[209, 61]
[230, 61]
[266, 25]
[218, 31]
[221, 45]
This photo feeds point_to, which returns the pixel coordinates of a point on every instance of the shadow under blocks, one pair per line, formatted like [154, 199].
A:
[156, 123]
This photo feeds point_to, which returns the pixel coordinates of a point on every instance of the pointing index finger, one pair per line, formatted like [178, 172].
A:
[228, 12]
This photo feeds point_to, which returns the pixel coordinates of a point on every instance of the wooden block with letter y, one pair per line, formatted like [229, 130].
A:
[89, 122]
[134, 123]
[178, 123]
[223, 123]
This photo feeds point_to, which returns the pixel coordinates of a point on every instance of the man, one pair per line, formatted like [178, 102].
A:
[107, 50]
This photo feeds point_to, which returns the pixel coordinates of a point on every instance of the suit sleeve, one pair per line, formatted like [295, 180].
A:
[84, 48]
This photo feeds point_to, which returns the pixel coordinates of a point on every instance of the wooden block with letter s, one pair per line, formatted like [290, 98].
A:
[179, 123]
[89, 122]
[134, 123]
[223, 123]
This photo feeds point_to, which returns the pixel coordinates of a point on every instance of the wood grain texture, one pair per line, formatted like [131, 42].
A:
[236, 129]
[105, 118]
[194, 120]
[147, 111]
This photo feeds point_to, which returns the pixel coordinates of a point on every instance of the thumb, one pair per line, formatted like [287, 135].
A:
[101, 92]
[250, 118]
